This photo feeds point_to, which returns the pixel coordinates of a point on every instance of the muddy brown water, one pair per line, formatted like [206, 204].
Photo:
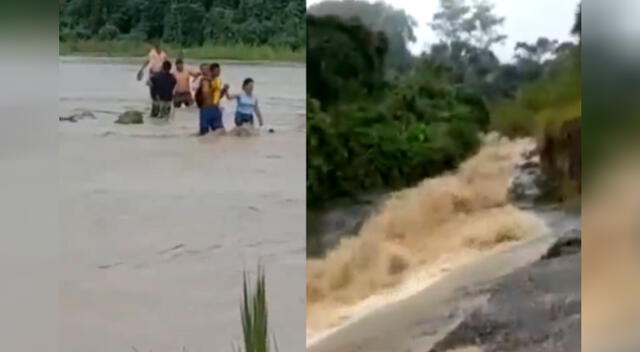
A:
[348, 312]
[158, 225]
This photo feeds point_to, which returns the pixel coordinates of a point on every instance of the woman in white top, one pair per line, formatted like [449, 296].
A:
[247, 104]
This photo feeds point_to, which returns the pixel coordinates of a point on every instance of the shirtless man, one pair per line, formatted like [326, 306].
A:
[204, 68]
[182, 94]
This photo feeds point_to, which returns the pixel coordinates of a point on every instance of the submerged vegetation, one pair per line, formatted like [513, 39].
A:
[378, 122]
[233, 29]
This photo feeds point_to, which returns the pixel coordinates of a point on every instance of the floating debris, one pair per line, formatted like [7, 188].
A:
[68, 118]
[78, 115]
[174, 248]
[130, 117]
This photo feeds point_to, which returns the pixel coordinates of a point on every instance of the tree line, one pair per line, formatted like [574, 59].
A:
[186, 22]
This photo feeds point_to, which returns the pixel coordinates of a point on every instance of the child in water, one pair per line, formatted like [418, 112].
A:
[246, 105]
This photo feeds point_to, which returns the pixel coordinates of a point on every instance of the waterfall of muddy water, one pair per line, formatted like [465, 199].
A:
[418, 235]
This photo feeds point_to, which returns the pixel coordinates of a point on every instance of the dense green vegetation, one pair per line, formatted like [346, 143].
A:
[369, 129]
[366, 132]
[541, 106]
[185, 23]
[550, 109]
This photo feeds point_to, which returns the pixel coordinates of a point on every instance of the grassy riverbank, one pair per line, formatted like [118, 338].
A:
[221, 52]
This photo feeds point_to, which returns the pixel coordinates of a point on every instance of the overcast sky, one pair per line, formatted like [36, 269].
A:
[525, 20]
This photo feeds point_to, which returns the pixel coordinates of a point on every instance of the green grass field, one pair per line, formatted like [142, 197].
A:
[238, 52]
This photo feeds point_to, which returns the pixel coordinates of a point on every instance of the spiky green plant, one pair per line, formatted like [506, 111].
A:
[254, 314]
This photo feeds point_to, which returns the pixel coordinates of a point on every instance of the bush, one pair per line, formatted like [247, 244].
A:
[74, 33]
[134, 36]
[108, 32]
[512, 119]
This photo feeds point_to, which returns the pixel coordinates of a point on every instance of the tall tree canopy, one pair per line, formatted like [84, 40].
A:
[466, 36]
[397, 25]
[474, 24]
[344, 59]
[468, 31]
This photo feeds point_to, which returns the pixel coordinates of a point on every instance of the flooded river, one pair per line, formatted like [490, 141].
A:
[382, 266]
[158, 225]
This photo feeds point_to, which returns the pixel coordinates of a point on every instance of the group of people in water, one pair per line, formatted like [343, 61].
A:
[171, 86]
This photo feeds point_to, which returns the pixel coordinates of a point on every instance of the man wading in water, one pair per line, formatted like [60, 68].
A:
[183, 77]
[208, 97]
[154, 62]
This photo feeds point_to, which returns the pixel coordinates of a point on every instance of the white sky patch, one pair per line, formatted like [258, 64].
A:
[525, 20]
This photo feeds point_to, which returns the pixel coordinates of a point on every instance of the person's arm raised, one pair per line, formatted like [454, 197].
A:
[225, 91]
[232, 96]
